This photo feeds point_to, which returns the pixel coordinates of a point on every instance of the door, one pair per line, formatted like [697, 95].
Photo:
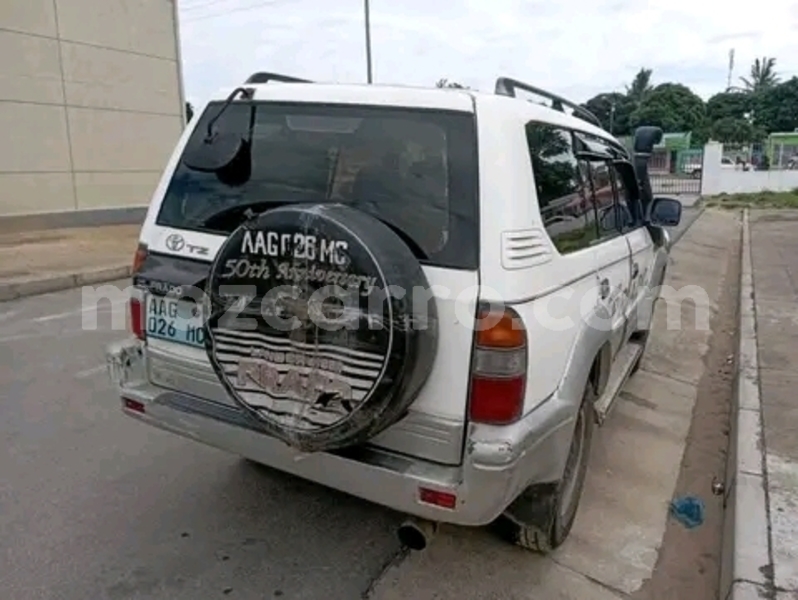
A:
[613, 265]
[642, 252]
[641, 294]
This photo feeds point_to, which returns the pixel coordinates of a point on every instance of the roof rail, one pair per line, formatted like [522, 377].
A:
[263, 77]
[506, 86]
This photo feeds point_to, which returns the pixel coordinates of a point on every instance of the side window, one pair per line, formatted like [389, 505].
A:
[563, 188]
[627, 211]
[627, 206]
[602, 183]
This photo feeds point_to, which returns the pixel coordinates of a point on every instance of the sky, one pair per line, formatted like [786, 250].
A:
[576, 48]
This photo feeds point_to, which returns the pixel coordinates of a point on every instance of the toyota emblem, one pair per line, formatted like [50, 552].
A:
[175, 242]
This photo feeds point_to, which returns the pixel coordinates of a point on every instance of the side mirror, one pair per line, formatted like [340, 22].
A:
[645, 138]
[665, 212]
[212, 154]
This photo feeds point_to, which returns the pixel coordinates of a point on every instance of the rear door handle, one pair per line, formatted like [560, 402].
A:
[604, 288]
[635, 270]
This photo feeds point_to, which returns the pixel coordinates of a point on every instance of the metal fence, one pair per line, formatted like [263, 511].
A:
[785, 156]
[676, 172]
[744, 156]
[759, 157]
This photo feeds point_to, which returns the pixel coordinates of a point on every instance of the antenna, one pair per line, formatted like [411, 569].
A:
[367, 23]
[731, 70]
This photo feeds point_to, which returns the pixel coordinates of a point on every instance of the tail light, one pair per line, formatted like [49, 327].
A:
[136, 298]
[139, 258]
[499, 366]
[137, 318]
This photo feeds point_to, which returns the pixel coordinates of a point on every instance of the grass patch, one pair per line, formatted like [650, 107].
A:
[764, 199]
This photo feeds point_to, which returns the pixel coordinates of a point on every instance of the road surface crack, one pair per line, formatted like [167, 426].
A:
[394, 560]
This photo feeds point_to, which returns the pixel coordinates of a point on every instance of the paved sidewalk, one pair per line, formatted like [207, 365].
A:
[43, 261]
[634, 473]
[774, 248]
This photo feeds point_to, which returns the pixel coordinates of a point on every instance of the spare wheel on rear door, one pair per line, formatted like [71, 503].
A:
[319, 324]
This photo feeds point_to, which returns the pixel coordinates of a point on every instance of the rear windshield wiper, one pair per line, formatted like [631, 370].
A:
[246, 93]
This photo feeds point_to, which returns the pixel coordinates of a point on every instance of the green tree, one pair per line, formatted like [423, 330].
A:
[776, 108]
[613, 110]
[640, 87]
[728, 105]
[730, 130]
[762, 75]
[445, 83]
[672, 106]
[545, 141]
[701, 134]
[189, 112]
[553, 177]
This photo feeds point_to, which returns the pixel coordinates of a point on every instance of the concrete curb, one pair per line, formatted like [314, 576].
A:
[746, 563]
[57, 283]
[133, 215]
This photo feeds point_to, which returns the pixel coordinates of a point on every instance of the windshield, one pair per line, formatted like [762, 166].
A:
[416, 170]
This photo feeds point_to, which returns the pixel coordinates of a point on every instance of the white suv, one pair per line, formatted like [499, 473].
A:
[421, 297]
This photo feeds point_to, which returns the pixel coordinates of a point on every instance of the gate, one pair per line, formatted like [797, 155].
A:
[674, 172]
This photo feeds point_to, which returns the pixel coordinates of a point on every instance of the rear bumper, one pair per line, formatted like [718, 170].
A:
[499, 462]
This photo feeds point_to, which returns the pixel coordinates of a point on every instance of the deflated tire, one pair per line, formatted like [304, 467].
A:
[320, 324]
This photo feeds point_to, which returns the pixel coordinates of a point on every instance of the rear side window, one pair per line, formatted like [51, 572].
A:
[563, 188]
[416, 170]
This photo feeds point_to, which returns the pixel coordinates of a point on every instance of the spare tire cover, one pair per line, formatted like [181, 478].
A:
[320, 324]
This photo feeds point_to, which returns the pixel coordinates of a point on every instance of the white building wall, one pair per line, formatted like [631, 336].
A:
[718, 180]
[91, 102]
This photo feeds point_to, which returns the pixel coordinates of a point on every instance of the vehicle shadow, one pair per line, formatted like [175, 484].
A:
[199, 523]
[270, 533]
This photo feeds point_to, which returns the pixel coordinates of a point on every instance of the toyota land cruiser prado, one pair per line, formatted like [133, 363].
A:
[422, 297]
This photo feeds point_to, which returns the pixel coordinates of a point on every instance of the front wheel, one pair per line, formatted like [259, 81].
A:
[543, 515]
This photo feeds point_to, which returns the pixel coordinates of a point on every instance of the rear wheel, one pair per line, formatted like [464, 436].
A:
[542, 517]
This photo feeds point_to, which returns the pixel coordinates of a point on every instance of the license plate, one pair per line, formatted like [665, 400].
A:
[174, 320]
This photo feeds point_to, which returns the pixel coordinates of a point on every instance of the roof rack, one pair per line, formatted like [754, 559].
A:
[263, 77]
[505, 86]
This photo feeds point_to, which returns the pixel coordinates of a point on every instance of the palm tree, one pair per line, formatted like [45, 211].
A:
[445, 83]
[640, 87]
[763, 75]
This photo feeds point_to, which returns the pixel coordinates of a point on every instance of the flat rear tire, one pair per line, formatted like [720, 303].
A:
[542, 517]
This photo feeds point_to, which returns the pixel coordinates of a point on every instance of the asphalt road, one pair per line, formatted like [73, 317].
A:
[94, 505]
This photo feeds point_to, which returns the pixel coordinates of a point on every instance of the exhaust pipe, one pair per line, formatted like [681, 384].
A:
[416, 534]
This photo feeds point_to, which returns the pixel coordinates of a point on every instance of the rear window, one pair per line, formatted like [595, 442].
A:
[416, 170]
